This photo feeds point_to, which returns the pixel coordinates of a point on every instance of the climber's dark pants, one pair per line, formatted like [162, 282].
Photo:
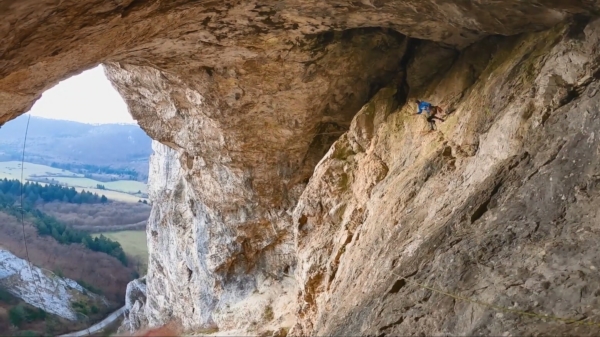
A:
[430, 116]
[429, 121]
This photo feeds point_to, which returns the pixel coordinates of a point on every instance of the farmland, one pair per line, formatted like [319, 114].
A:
[133, 243]
[12, 170]
[120, 190]
[125, 186]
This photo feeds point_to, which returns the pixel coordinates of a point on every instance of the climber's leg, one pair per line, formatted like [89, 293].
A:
[428, 121]
[430, 124]
[437, 111]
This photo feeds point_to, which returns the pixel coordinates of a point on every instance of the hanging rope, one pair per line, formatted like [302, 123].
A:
[37, 289]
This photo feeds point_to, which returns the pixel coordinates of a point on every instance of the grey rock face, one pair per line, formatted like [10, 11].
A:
[41, 288]
[212, 247]
[135, 301]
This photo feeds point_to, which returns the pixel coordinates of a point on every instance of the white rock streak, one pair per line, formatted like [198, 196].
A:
[51, 293]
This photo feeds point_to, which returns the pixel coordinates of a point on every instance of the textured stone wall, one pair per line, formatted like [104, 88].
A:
[495, 206]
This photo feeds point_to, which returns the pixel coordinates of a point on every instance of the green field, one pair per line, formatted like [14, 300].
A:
[127, 186]
[133, 243]
[113, 195]
[120, 190]
[12, 170]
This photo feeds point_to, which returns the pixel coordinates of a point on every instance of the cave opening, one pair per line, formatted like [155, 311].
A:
[75, 167]
[87, 97]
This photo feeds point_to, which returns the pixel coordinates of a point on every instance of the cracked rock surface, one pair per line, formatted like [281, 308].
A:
[493, 207]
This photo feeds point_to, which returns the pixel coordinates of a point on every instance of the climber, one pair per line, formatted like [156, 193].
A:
[431, 112]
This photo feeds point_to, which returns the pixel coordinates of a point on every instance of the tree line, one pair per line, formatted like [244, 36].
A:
[34, 192]
[49, 226]
[87, 168]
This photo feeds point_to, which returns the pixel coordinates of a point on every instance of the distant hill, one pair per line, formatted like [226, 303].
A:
[79, 147]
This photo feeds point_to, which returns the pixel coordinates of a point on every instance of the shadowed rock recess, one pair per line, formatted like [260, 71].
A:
[292, 188]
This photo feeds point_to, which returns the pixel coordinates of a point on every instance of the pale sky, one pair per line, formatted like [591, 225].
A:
[87, 98]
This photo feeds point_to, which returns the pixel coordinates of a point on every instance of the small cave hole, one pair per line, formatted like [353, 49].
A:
[302, 221]
[208, 70]
[399, 284]
[480, 211]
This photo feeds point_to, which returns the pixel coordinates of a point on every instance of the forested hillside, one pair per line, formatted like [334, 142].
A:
[48, 225]
[104, 273]
[34, 192]
[81, 182]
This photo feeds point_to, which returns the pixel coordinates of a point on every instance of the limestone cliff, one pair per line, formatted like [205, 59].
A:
[292, 188]
[495, 206]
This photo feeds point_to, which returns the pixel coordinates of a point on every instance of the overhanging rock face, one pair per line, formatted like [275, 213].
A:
[244, 138]
[44, 42]
[245, 98]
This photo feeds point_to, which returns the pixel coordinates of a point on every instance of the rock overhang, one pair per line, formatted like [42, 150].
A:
[44, 42]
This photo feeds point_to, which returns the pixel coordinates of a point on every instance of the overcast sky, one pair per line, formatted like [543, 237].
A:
[88, 98]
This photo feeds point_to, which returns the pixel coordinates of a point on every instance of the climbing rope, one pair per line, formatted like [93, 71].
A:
[502, 309]
[37, 289]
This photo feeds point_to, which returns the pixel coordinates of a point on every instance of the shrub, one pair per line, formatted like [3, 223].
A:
[7, 297]
[81, 308]
[20, 314]
[17, 315]
[34, 314]
[89, 287]
[52, 325]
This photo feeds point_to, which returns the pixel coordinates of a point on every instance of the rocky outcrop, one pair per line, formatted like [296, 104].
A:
[42, 289]
[135, 300]
[254, 208]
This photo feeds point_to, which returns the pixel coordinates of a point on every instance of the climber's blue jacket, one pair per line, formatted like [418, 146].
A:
[424, 106]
